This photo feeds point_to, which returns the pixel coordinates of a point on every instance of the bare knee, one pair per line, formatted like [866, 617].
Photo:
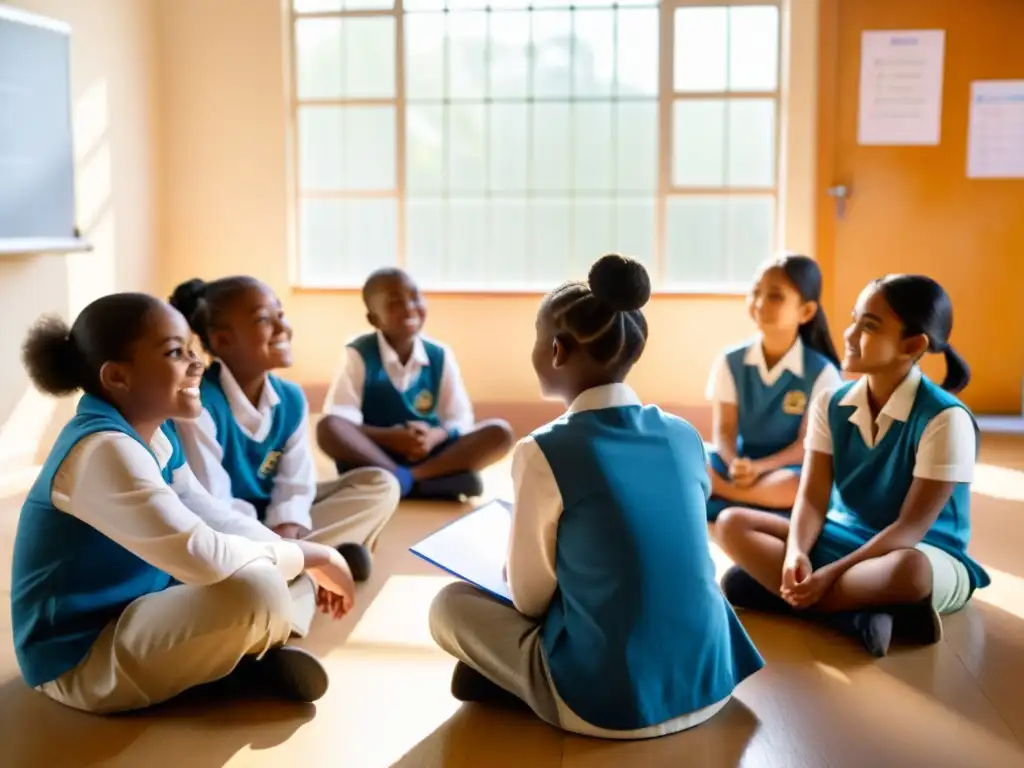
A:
[911, 577]
[329, 430]
[732, 523]
[497, 433]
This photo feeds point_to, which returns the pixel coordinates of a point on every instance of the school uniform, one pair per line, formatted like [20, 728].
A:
[770, 404]
[922, 431]
[259, 459]
[130, 583]
[619, 628]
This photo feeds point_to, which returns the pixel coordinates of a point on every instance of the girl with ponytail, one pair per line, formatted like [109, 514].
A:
[879, 535]
[760, 390]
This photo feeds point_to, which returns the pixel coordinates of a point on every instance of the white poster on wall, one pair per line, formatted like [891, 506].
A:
[901, 87]
[995, 135]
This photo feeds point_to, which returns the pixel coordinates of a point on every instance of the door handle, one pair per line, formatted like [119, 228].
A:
[839, 193]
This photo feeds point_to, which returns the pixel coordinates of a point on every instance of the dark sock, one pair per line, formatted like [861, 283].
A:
[916, 623]
[405, 481]
[872, 628]
[468, 484]
[469, 685]
[358, 558]
[285, 672]
[743, 591]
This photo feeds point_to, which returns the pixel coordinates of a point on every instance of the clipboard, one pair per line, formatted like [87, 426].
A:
[473, 548]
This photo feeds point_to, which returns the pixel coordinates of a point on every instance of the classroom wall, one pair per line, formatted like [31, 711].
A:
[225, 208]
[114, 114]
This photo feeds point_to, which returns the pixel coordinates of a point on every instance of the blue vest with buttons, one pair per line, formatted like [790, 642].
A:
[638, 631]
[68, 579]
[252, 465]
[871, 483]
[385, 406]
[770, 415]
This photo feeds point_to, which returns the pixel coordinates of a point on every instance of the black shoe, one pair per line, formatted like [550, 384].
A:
[917, 623]
[285, 672]
[470, 686]
[743, 591]
[872, 628]
[359, 560]
[451, 487]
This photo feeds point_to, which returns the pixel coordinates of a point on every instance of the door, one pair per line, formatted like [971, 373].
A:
[912, 208]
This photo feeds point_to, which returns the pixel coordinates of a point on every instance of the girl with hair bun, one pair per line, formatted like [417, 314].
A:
[130, 584]
[878, 541]
[618, 628]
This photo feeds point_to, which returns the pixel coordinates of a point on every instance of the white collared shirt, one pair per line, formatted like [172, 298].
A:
[721, 387]
[295, 481]
[946, 451]
[345, 397]
[110, 481]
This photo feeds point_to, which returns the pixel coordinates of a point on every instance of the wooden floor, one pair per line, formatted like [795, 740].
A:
[819, 702]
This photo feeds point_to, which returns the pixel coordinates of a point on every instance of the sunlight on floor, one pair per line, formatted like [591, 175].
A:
[999, 482]
[398, 615]
[1005, 592]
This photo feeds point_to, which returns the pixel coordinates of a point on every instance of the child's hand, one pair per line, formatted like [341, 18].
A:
[809, 591]
[329, 603]
[408, 441]
[291, 531]
[796, 570]
[335, 578]
[741, 472]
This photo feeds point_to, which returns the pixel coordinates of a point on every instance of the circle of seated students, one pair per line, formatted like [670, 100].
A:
[177, 536]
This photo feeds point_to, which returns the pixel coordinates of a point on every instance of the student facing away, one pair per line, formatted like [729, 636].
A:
[250, 445]
[887, 551]
[130, 583]
[399, 402]
[619, 628]
[761, 390]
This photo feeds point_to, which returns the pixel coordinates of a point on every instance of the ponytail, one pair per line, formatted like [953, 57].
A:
[958, 373]
[815, 334]
[805, 275]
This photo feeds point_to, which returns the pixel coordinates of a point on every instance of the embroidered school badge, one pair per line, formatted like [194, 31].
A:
[794, 403]
[269, 465]
[424, 402]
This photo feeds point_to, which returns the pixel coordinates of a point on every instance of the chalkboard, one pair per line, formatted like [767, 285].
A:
[37, 167]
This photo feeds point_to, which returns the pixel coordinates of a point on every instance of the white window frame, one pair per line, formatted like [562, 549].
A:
[666, 189]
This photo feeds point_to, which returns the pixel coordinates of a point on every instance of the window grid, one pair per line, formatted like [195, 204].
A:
[668, 94]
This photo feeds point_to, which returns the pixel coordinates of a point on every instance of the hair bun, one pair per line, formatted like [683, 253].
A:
[620, 282]
[187, 296]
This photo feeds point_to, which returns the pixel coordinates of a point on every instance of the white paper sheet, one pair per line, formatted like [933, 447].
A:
[901, 87]
[995, 136]
[473, 548]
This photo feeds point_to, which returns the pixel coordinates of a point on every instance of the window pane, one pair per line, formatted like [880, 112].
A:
[751, 143]
[425, 228]
[347, 148]
[701, 42]
[466, 142]
[718, 239]
[698, 143]
[634, 229]
[315, 6]
[424, 148]
[468, 246]
[550, 159]
[510, 128]
[340, 241]
[550, 241]
[552, 53]
[508, 247]
[594, 53]
[509, 67]
[592, 227]
[593, 146]
[424, 55]
[754, 48]
[636, 64]
[467, 55]
[636, 138]
[346, 58]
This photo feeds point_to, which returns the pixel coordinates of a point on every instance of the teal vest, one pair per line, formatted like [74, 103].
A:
[638, 632]
[871, 483]
[385, 406]
[252, 465]
[68, 579]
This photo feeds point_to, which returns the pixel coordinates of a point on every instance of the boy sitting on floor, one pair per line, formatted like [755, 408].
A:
[399, 402]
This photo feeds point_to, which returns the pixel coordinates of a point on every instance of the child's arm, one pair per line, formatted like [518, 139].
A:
[815, 493]
[453, 404]
[535, 515]
[111, 482]
[945, 457]
[294, 485]
[204, 455]
[721, 391]
[345, 400]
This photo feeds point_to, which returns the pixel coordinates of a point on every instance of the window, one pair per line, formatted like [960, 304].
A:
[506, 144]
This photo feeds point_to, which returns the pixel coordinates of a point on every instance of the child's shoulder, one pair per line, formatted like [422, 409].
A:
[287, 390]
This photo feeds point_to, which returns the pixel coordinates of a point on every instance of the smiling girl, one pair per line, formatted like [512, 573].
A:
[887, 550]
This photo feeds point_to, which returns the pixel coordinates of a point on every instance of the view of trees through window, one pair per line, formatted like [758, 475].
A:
[506, 146]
